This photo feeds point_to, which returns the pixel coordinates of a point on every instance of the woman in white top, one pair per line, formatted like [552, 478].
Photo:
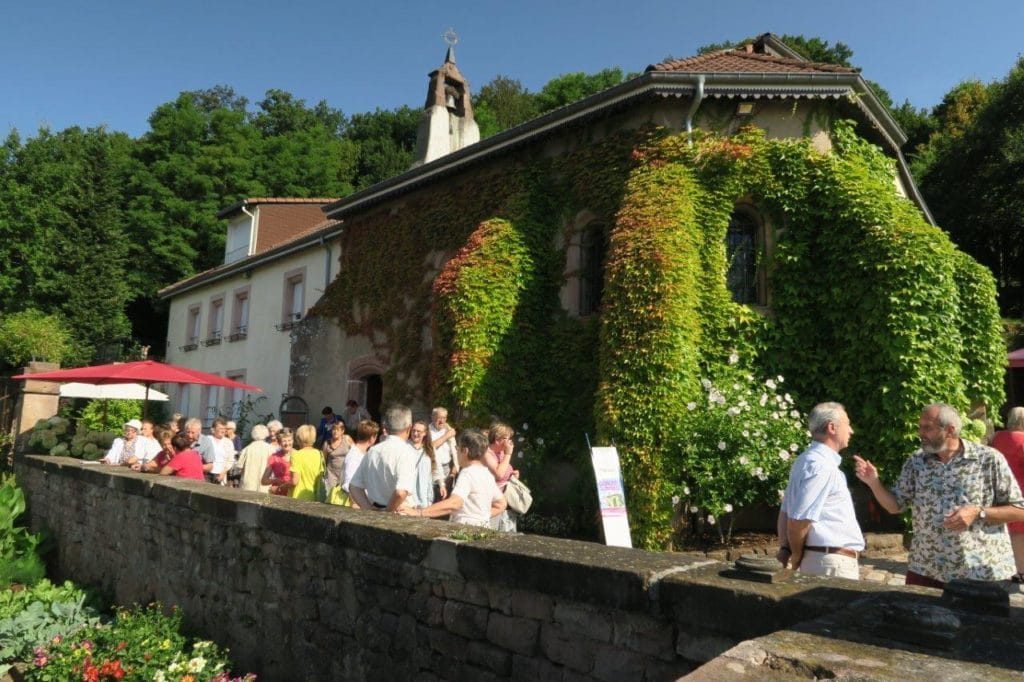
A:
[475, 499]
[428, 474]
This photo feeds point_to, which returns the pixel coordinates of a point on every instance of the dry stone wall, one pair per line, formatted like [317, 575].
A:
[304, 591]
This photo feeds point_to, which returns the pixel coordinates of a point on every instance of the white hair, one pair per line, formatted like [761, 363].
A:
[275, 424]
[822, 415]
[397, 418]
[259, 432]
[1015, 419]
[946, 415]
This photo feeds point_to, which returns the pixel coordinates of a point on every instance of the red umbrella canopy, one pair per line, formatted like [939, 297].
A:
[1016, 358]
[144, 371]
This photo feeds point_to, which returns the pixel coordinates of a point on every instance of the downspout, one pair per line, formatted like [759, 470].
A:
[697, 99]
[252, 231]
[327, 261]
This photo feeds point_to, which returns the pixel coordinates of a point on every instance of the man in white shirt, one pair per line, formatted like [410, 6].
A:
[387, 474]
[818, 530]
[443, 438]
[224, 450]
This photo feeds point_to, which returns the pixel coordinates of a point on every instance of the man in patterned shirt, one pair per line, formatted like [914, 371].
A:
[963, 495]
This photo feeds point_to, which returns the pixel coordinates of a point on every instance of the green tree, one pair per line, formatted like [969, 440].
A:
[62, 217]
[33, 335]
[385, 140]
[501, 104]
[301, 152]
[571, 87]
[971, 173]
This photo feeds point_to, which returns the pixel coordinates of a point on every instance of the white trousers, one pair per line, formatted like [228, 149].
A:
[831, 565]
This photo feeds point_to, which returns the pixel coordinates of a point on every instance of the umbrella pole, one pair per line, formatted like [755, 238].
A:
[106, 404]
[145, 405]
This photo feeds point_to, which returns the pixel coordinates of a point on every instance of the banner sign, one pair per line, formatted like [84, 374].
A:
[611, 496]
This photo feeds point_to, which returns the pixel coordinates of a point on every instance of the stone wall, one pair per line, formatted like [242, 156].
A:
[304, 591]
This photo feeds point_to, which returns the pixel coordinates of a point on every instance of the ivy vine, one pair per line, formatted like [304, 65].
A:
[870, 305]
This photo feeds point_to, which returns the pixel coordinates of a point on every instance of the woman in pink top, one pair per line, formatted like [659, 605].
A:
[1011, 443]
[278, 474]
[498, 459]
[186, 462]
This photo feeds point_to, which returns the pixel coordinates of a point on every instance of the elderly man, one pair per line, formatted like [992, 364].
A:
[818, 530]
[963, 495]
[387, 474]
[202, 444]
[442, 436]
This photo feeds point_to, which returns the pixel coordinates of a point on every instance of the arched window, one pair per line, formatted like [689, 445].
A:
[593, 247]
[742, 242]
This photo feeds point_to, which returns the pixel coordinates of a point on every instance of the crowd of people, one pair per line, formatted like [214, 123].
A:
[968, 510]
[410, 467]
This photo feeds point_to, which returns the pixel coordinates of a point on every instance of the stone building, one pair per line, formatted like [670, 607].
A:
[764, 84]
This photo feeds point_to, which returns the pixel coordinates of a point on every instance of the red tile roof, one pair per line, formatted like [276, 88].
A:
[281, 221]
[289, 200]
[744, 60]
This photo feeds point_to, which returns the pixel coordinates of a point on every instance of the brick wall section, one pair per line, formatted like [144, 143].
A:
[304, 591]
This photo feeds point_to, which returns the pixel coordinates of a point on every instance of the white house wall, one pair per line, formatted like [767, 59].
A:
[264, 354]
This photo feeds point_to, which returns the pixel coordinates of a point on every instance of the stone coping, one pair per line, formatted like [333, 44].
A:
[669, 585]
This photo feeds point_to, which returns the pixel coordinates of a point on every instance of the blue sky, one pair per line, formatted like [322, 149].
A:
[112, 62]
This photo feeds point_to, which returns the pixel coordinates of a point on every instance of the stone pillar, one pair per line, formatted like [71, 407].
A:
[38, 400]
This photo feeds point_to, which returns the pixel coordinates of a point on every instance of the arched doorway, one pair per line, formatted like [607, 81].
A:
[366, 384]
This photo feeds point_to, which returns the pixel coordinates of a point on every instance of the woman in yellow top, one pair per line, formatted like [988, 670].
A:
[307, 464]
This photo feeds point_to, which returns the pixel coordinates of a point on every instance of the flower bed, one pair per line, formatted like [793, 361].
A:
[56, 633]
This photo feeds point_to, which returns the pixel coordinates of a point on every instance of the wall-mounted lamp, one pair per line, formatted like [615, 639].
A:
[744, 108]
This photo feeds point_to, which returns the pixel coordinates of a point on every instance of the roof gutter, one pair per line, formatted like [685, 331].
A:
[652, 82]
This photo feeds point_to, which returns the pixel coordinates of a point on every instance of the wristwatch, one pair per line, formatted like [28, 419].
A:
[982, 514]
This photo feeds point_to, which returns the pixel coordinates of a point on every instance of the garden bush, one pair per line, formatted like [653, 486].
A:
[19, 559]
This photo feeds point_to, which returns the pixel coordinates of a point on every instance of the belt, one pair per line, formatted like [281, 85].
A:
[832, 550]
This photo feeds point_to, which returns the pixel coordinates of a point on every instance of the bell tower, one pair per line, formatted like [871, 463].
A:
[447, 123]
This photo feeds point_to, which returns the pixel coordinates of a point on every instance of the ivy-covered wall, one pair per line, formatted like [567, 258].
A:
[870, 305]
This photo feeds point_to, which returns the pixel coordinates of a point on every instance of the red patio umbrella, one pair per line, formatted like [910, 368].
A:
[144, 372]
[1016, 358]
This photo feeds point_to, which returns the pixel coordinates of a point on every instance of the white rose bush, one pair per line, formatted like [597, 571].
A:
[737, 446]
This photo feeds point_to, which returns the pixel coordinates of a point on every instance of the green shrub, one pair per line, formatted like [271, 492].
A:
[39, 623]
[108, 415]
[19, 559]
[33, 335]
